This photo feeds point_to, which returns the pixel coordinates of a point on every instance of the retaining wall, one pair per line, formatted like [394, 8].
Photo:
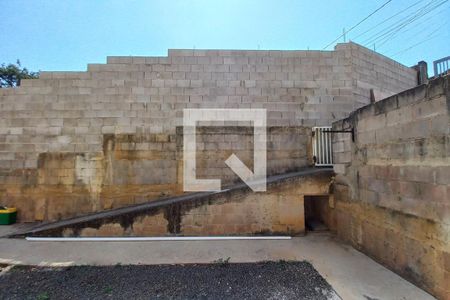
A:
[57, 132]
[235, 211]
[392, 187]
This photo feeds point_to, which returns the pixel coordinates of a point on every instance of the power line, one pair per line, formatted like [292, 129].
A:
[371, 14]
[415, 34]
[396, 24]
[427, 38]
[413, 46]
[429, 24]
[384, 21]
[390, 31]
[394, 33]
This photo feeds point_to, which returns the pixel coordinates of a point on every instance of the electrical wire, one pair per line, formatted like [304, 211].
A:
[390, 31]
[429, 24]
[371, 14]
[397, 23]
[385, 20]
[395, 33]
[427, 38]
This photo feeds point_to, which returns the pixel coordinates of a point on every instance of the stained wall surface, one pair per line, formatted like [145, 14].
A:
[235, 211]
[392, 188]
[76, 142]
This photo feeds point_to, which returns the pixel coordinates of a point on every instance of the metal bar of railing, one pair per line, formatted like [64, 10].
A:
[327, 150]
[441, 66]
[322, 144]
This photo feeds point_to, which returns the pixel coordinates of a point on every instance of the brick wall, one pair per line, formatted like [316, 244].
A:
[74, 115]
[392, 187]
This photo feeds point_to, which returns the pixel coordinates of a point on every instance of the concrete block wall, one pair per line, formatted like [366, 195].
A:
[392, 187]
[74, 112]
[280, 210]
[288, 149]
[370, 70]
[135, 168]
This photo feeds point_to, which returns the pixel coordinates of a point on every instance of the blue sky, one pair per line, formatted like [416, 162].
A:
[66, 35]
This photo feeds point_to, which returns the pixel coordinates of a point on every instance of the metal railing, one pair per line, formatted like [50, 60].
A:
[322, 146]
[441, 66]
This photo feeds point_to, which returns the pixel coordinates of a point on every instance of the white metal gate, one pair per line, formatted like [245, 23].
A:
[321, 142]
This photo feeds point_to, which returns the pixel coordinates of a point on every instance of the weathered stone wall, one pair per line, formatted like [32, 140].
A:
[135, 168]
[237, 211]
[392, 187]
[75, 117]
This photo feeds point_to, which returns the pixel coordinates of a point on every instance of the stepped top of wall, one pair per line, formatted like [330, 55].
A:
[191, 56]
[297, 87]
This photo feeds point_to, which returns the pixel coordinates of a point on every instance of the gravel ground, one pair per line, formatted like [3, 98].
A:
[220, 280]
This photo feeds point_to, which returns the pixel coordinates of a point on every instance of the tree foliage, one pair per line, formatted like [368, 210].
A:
[11, 74]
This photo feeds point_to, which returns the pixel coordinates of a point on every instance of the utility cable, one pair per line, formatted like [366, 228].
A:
[371, 14]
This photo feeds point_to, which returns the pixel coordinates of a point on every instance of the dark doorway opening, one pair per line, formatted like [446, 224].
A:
[317, 213]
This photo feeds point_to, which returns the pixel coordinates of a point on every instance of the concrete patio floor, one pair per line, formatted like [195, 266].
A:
[352, 274]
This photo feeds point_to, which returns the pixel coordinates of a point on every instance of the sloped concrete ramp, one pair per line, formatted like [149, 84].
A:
[236, 210]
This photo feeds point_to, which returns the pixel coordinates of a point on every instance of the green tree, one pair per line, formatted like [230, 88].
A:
[11, 74]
